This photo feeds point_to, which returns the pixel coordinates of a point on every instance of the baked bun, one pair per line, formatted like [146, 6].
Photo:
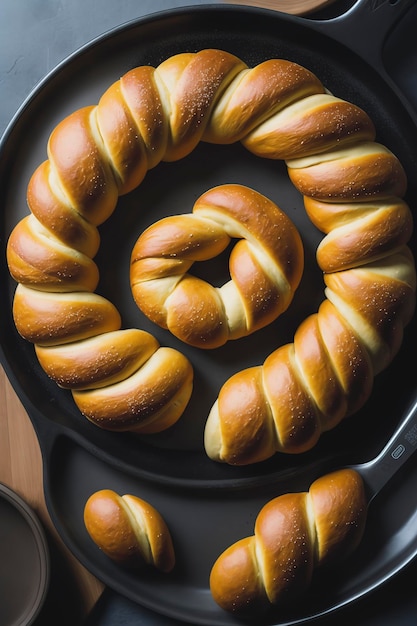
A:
[352, 187]
[265, 267]
[294, 535]
[129, 530]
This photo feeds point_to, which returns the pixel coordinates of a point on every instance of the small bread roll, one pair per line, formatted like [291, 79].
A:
[266, 267]
[129, 530]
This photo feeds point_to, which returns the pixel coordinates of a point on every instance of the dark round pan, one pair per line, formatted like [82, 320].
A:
[207, 505]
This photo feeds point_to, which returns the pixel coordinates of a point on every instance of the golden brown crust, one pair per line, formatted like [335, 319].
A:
[327, 373]
[235, 583]
[81, 169]
[294, 534]
[98, 361]
[312, 125]
[348, 357]
[121, 139]
[285, 547]
[59, 217]
[293, 411]
[158, 535]
[339, 507]
[150, 400]
[255, 95]
[378, 301]
[352, 187]
[325, 387]
[194, 82]
[129, 530]
[364, 171]
[265, 267]
[35, 258]
[247, 437]
[50, 319]
[358, 233]
[141, 94]
[301, 390]
[353, 194]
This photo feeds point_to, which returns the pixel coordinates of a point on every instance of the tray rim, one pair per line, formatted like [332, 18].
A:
[32, 521]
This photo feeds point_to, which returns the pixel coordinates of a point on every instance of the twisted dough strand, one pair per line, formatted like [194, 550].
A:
[129, 530]
[94, 155]
[278, 110]
[265, 267]
[295, 534]
[307, 387]
[359, 233]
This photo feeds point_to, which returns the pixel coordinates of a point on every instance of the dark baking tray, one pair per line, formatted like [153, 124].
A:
[208, 506]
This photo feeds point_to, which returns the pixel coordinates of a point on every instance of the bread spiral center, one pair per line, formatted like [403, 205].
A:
[353, 189]
[265, 265]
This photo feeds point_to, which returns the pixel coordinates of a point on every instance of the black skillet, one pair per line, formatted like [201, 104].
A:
[209, 506]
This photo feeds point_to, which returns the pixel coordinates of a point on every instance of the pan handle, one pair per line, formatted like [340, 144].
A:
[364, 29]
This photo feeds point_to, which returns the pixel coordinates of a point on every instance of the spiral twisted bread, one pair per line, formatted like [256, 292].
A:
[354, 195]
[277, 109]
[265, 267]
[129, 530]
[295, 534]
[307, 387]
[121, 379]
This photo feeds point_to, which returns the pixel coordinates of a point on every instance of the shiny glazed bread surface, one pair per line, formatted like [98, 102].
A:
[266, 266]
[129, 530]
[294, 534]
[352, 187]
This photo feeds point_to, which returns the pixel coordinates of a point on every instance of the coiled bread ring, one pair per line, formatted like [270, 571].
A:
[350, 183]
[266, 265]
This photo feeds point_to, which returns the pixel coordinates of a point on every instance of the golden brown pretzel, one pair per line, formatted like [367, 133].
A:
[278, 109]
[129, 530]
[295, 534]
[265, 267]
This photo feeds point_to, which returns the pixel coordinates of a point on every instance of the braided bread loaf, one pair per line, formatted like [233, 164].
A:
[277, 109]
[129, 530]
[307, 387]
[265, 267]
[295, 534]
[121, 380]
